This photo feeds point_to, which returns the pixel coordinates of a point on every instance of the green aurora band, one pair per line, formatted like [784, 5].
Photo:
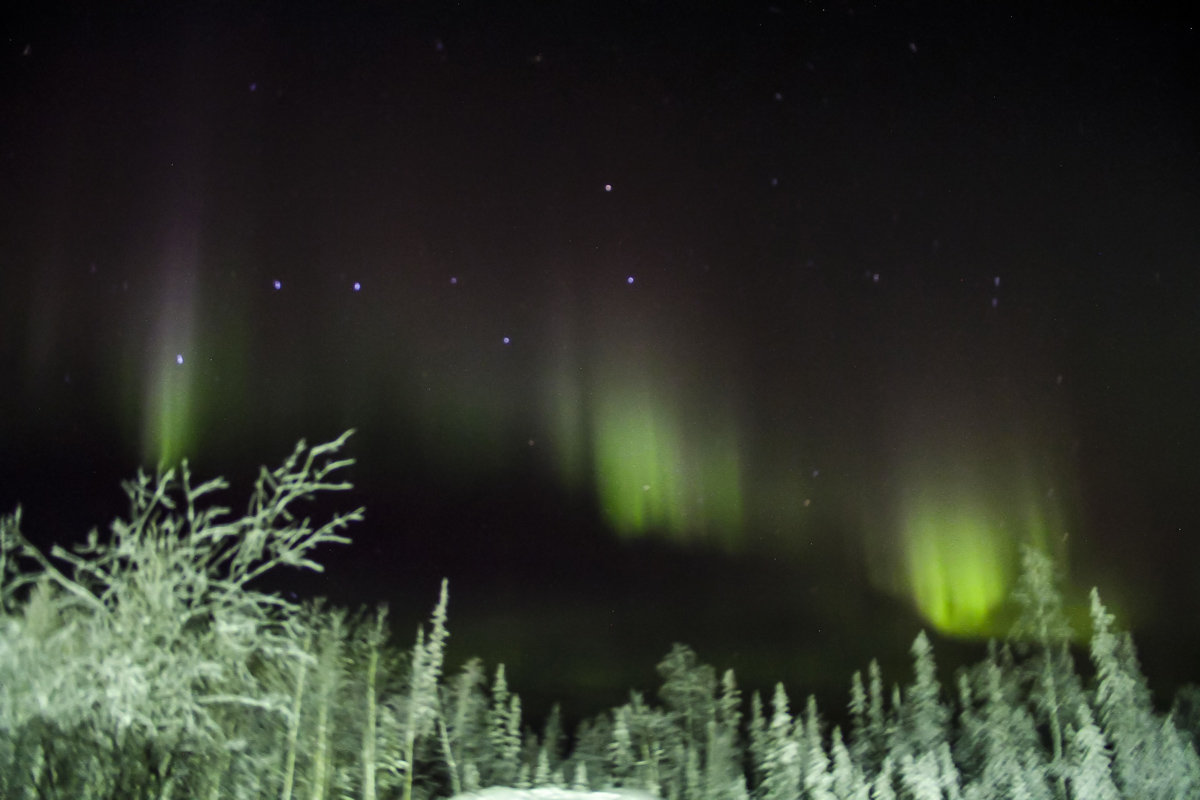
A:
[636, 424]
[642, 430]
[958, 563]
[168, 413]
[962, 526]
[652, 476]
[167, 437]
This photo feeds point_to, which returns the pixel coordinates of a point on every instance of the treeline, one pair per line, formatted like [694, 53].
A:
[147, 665]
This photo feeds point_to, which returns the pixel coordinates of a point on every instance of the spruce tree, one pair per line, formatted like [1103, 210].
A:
[758, 741]
[1126, 716]
[1088, 770]
[818, 781]
[857, 706]
[921, 777]
[949, 777]
[781, 759]
[883, 784]
[1001, 741]
[923, 717]
[593, 739]
[423, 710]
[723, 768]
[868, 729]
[689, 690]
[504, 732]
[464, 724]
[1185, 711]
[554, 738]
[849, 783]
[1043, 628]
[659, 747]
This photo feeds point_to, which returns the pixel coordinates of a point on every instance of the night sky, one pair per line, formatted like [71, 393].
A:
[773, 331]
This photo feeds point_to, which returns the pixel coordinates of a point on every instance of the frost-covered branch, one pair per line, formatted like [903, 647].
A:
[153, 636]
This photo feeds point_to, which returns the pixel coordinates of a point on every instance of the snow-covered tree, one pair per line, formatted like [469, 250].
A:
[658, 748]
[999, 741]
[818, 781]
[463, 725]
[921, 777]
[503, 732]
[422, 707]
[1089, 761]
[1125, 711]
[591, 754]
[883, 784]
[849, 783]
[1185, 712]
[158, 639]
[329, 678]
[723, 770]
[758, 742]
[781, 755]
[689, 690]
[1044, 631]
[868, 725]
[923, 719]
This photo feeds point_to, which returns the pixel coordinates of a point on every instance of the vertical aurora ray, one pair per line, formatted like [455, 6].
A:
[962, 518]
[564, 405]
[656, 473]
[662, 448]
[168, 405]
[167, 415]
[959, 562]
[631, 424]
[977, 468]
[638, 461]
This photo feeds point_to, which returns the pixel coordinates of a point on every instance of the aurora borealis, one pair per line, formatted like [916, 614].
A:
[856, 298]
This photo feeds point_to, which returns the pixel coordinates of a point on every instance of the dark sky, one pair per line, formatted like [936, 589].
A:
[773, 330]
